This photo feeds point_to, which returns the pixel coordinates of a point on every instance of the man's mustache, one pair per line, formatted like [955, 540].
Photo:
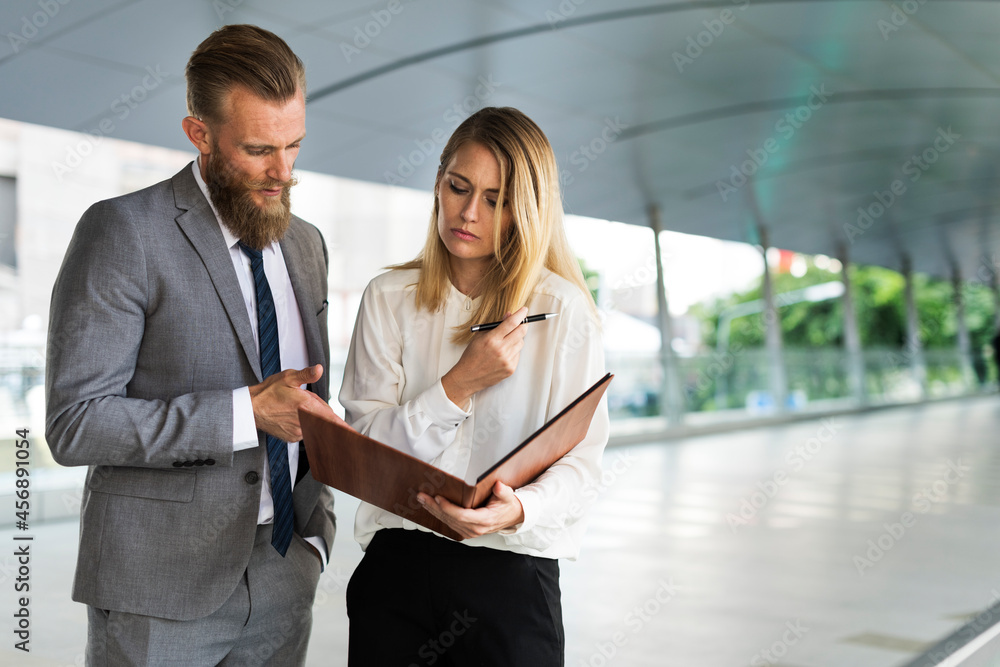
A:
[269, 184]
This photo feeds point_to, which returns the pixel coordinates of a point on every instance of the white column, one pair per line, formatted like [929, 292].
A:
[772, 331]
[964, 345]
[852, 337]
[671, 399]
[995, 286]
[914, 348]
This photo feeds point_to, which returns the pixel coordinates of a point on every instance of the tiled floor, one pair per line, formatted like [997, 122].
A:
[851, 543]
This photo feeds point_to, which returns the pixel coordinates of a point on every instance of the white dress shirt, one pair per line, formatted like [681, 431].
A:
[392, 392]
[291, 347]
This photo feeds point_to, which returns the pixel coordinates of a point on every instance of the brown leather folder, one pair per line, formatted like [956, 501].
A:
[388, 478]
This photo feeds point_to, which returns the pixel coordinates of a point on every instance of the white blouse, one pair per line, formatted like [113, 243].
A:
[392, 392]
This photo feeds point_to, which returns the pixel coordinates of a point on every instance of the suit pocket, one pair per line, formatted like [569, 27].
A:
[173, 485]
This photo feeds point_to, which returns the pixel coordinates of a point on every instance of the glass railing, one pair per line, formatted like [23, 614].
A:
[713, 386]
[816, 378]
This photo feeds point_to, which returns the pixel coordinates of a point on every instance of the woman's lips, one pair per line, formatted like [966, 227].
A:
[464, 235]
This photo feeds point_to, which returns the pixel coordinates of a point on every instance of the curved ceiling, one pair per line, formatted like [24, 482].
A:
[860, 124]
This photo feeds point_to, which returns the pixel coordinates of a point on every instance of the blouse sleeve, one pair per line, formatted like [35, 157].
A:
[561, 496]
[373, 384]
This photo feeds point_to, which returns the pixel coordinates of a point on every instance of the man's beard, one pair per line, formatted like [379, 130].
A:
[232, 194]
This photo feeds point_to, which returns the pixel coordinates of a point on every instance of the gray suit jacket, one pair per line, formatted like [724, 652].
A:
[148, 336]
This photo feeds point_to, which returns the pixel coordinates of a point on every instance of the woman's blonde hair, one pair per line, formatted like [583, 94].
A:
[529, 187]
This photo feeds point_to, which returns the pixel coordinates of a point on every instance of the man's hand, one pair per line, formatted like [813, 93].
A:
[488, 359]
[502, 511]
[276, 402]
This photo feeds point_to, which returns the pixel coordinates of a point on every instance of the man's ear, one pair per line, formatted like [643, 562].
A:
[198, 133]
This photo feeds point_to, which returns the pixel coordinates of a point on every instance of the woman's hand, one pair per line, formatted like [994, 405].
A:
[490, 357]
[502, 511]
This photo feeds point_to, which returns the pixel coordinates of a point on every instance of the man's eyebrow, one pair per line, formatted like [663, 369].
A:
[269, 146]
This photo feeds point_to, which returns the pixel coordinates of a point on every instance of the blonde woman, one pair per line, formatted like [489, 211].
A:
[418, 379]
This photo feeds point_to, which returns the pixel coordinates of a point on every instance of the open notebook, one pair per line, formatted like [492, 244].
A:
[390, 479]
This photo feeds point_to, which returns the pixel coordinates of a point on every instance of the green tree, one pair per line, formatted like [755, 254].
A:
[880, 307]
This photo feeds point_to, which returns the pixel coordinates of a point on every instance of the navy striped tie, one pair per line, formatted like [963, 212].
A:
[270, 363]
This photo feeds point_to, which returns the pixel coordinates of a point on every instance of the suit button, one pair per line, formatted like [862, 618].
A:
[252, 477]
[188, 464]
[177, 464]
[210, 462]
[199, 462]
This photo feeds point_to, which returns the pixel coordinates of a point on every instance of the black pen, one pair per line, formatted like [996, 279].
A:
[530, 318]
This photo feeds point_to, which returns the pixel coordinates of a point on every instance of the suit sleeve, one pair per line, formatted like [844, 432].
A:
[96, 327]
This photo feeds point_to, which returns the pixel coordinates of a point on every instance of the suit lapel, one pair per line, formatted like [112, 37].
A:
[199, 224]
[295, 251]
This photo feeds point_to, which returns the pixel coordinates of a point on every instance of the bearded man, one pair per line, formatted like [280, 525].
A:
[188, 325]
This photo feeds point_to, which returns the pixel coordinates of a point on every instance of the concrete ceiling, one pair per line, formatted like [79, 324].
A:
[731, 116]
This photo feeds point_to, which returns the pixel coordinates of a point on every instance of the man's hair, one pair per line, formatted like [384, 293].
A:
[241, 55]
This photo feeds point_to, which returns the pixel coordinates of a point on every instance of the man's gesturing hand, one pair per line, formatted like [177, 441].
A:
[276, 401]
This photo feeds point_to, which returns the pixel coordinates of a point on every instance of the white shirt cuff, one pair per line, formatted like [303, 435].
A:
[320, 545]
[244, 424]
[531, 505]
[440, 409]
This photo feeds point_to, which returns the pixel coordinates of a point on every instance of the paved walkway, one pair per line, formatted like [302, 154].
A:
[853, 542]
